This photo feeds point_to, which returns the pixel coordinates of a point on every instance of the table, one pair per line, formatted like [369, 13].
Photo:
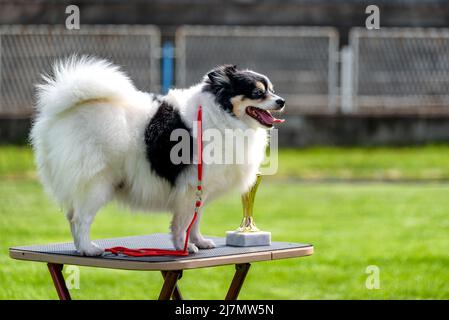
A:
[56, 255]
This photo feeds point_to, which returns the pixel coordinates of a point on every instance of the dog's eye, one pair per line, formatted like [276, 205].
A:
[257, 93]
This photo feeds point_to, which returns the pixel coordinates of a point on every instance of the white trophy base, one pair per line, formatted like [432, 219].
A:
[248, 239]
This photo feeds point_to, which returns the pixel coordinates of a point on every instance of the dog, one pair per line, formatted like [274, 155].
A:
[97, 138]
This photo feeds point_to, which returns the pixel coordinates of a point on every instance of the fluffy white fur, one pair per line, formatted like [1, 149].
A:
[88, 137]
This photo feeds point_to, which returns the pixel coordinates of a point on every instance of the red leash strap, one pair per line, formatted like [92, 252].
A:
[146, 252]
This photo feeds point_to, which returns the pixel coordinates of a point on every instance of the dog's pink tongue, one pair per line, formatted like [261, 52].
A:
[267, 118]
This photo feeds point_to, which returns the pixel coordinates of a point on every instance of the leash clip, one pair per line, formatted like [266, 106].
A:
[199, 196]
[199, 190]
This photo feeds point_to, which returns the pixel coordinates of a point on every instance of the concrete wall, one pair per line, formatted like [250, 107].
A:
[14, 131]
[302, 131]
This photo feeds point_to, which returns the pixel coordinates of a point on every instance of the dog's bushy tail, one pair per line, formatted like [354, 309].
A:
[79, 79]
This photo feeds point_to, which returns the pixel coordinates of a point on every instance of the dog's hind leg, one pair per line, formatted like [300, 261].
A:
[70, 214]
[84, 214]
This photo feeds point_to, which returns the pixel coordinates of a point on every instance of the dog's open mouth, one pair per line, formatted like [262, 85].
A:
[264, 117]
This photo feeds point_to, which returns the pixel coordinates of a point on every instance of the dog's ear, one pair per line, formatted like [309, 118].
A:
[222, 75]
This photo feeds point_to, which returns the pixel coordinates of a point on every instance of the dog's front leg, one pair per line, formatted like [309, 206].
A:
[179, 225]
[197, 238]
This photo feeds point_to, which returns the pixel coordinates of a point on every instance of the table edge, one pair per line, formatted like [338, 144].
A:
[25, 255]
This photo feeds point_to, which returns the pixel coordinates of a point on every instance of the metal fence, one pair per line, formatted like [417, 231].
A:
[397, 70]
[300, 61]
[28, 51]
[383, 71]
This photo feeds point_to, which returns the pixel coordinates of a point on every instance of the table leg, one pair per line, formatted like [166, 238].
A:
[176, 293]
[168, 289]
[239, 277]
[58, 281]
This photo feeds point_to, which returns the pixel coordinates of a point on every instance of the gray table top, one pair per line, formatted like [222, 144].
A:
[65, 253]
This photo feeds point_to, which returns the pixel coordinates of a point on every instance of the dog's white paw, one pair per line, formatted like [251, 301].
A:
[192, 248]
[205, 244]
[179, 245]
[90, 250]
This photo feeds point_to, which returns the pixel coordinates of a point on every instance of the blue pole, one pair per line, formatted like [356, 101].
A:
[167, 66]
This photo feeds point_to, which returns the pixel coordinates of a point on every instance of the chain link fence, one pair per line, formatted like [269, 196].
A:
[396, 70]
[300, 61]
[28, 51]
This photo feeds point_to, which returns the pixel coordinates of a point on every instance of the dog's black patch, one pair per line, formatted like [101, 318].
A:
[226, 82]
[158, 144]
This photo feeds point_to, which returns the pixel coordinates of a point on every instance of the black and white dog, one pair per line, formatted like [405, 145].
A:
[97, 138]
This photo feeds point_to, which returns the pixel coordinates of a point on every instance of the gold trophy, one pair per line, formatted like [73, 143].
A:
[248, 235]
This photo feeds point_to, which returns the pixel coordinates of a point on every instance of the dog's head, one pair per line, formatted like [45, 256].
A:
[245, 94]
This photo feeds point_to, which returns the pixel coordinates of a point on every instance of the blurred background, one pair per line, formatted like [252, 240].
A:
[364, 159]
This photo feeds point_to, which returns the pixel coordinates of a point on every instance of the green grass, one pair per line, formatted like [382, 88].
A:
[402, 228]
[373, 163]
[16, 161]
[317, 163]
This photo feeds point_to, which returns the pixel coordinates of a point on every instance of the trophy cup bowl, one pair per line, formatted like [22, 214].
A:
[248, 235]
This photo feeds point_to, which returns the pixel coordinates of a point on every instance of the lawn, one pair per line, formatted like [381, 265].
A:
[401, 228]
[371, 163]
[314, 164]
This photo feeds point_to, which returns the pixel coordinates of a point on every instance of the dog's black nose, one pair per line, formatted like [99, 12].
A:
[280, 102]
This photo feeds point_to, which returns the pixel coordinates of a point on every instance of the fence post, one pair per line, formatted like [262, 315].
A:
[347, 78]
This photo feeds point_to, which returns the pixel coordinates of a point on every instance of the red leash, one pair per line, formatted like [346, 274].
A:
[145, 252]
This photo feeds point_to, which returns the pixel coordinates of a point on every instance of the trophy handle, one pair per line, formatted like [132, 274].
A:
[248, 224]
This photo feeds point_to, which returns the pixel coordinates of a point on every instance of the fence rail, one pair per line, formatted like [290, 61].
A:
[26, 52]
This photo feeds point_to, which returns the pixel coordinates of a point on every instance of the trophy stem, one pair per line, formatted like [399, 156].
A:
[248, 235]
[247, 224]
